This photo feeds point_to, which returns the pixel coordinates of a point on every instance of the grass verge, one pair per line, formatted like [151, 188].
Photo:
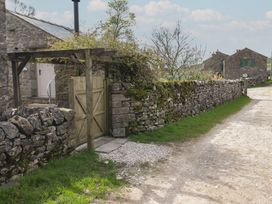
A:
[264, 84]
[192, 127]
[78, 179]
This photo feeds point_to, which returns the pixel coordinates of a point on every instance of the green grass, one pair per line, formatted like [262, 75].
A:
[264, 84]
[192, 127]
[78, 179]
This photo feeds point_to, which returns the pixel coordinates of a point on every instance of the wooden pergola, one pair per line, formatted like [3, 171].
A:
[20, 59]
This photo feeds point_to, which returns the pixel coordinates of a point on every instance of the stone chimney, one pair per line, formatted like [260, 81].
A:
[4, 90]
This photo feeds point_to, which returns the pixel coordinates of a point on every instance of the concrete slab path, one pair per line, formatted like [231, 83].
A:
[231, 164]
[108, 147]
[104, 144]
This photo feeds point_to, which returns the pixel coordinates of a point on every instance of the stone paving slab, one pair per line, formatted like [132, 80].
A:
[111, 146]
[102, 141]
[104, 144]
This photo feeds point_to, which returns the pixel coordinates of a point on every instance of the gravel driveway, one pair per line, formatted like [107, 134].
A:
[231, 164]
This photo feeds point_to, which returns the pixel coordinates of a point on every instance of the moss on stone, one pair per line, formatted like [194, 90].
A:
[133, 127]
[138, 106]
[163, 95]
[137, 93]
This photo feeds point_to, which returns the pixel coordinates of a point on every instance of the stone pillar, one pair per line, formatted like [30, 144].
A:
[4, 90]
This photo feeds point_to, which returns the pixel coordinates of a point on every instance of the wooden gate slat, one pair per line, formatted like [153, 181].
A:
[98, 109]
[98, 100]
[97, 123]
[80, 104]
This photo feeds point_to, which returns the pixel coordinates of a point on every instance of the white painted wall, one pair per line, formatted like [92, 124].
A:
[45, 76]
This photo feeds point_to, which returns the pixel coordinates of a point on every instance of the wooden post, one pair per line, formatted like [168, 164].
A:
[89, 99]
[108, 102]
[245, 86]
[16, 84]
[71, 93]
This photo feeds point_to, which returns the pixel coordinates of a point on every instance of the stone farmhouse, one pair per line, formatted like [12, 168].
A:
[26, 33]
[243, 62]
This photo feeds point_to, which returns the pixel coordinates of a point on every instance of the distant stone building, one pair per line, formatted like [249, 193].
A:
[243, 62]
[26, 33]
[216, 62]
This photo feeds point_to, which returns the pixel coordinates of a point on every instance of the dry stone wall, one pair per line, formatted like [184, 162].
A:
[30, 137]
[253, 81]
[64, 73]
[165, 103]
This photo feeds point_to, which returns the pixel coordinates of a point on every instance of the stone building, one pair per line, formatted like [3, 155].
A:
[29, 33]
[216, 62]
[243, 62]
[4, 83]
[26, 33]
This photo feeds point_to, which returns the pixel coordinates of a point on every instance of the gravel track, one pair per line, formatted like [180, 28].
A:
[231, 164]
[132, 153]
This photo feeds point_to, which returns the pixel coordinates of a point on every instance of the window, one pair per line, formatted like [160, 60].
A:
[246, 62]
[221, 66]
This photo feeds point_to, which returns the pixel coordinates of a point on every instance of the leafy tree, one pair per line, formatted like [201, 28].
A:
[120, 20]
[175, 47]
[131, 63]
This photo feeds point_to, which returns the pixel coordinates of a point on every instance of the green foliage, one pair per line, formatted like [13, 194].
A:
[77, 42]
[163, 90]
[192, 127]
[131, 63]
[195, 74]
[78, 179]
[119, 22]
[138, 94]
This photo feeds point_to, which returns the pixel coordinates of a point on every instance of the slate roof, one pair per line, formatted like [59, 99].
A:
[53, 29]
[247, 49]
[226, 56]
[217, 53]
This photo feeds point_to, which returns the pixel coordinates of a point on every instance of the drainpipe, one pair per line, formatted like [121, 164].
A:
[76, 16]
[224, 68]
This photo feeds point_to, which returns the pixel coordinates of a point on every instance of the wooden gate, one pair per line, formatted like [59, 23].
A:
[78, 103]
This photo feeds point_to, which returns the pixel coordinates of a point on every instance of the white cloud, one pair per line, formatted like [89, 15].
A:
[136, 9]
[95, 5]
[158, 12]
[268, 15]
[65, 18]
[235, 25]
[154, 8]
[249, 25]
[202, 15]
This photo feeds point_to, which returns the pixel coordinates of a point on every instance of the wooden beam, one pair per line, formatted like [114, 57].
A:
[16, 84]
[23, 64]
[61, 53]
[89, 100]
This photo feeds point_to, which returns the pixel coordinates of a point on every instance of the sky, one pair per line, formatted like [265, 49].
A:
[225, 25]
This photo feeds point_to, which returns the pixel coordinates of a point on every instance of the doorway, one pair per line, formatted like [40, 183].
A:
[46, 81]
